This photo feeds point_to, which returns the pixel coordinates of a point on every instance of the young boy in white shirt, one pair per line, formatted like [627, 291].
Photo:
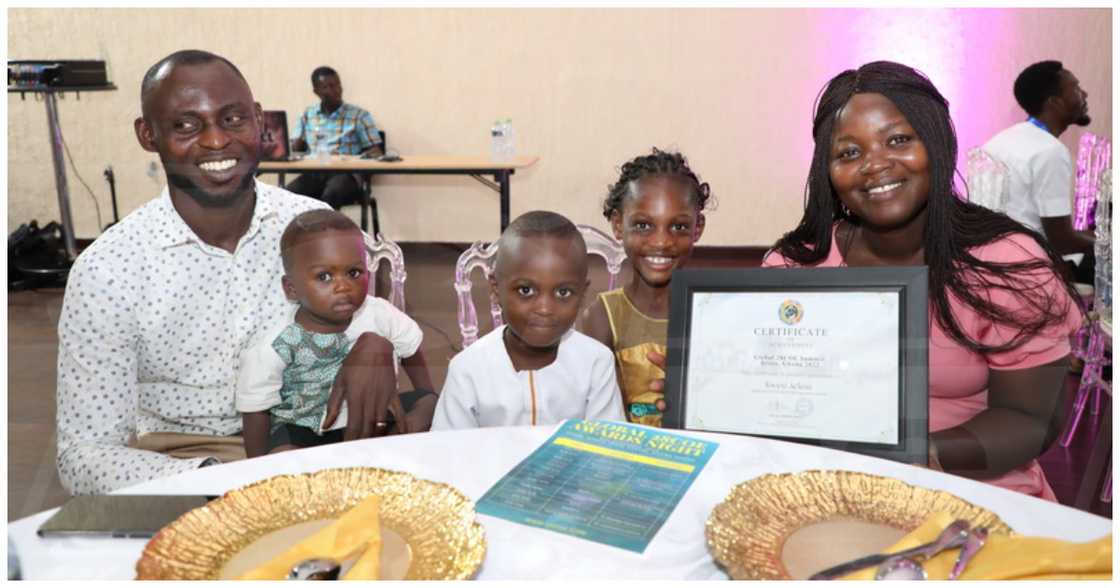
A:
[534, 370]
[286, 376]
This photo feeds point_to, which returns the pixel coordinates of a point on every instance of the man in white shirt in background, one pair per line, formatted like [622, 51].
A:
[1041, 172]
[158, 308]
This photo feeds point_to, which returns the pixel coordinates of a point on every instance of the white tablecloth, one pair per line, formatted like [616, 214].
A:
[474, 460]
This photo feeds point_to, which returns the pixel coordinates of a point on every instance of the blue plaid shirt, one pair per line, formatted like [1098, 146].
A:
[349, 130]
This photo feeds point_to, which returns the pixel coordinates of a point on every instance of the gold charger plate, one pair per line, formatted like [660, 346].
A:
[790, 526]
[428, 529]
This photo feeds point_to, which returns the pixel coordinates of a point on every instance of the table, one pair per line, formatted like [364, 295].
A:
[476, 167]
[473, 460]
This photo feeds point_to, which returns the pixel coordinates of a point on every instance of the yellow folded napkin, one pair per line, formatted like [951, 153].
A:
[356, 531]
[1009, 558]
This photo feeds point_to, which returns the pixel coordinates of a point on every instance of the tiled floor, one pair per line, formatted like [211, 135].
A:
[33, 483]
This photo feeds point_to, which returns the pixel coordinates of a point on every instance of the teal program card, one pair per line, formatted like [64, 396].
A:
[603, 481]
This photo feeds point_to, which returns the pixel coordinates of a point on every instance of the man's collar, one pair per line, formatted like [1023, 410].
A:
[178, 232]
[319, 108]
[1034, 121]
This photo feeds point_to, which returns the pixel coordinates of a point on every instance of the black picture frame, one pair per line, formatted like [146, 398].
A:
[911, 285]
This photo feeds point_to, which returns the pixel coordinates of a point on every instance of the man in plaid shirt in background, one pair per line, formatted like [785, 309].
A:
[345, 128]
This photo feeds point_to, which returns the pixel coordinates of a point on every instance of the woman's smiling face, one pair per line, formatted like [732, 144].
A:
[878, 165]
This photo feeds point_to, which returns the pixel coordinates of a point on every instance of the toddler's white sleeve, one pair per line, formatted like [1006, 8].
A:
[457, 407]
[259, 378]
[604, 399]
[380, 317]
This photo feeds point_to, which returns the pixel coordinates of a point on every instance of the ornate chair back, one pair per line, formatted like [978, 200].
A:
[987, 180]
[1093, 156]
[379, 249]
[481, 256]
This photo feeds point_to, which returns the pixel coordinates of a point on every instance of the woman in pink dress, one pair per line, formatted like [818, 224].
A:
[880, 193]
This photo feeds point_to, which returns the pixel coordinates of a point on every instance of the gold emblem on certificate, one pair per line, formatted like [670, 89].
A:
[790, 312]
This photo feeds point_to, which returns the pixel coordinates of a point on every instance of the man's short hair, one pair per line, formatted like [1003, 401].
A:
[164, 66]
[537, 224]
[321, 72]
[1036, 83]
[311, 221]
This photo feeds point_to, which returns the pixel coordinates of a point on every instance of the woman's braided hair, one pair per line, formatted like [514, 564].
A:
[657, 163]
[954, 226]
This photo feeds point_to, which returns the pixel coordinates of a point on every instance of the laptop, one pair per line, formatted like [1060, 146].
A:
[275, 145]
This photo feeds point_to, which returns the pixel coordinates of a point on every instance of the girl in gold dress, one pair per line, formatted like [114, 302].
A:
[656, 210]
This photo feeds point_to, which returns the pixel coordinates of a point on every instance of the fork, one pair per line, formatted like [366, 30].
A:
[976, 539]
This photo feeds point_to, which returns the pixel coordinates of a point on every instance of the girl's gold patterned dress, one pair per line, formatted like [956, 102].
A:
[634, 335]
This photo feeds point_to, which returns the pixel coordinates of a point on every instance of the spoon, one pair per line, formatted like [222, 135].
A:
[976, 539]
[957, 531]
[902, 566]
[320, 568]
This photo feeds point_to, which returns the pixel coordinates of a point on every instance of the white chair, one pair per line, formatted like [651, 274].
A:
[986, 180]
[481, 256]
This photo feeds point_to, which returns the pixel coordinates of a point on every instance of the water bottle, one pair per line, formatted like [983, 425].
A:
[322, 150]
[497, 149]
[507, 143]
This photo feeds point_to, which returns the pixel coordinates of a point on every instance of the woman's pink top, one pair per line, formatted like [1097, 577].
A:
[958, 377]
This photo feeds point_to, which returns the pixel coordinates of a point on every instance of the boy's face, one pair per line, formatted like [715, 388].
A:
[328, 277]
[540, 286]
[658, 227]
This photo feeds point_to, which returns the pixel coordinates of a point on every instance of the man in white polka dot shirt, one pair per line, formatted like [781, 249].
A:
[159, 307]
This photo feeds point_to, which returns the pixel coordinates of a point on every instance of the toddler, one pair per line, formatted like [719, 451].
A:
[287, 375]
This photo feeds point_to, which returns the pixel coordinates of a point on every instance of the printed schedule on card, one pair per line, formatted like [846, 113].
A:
[603, 481]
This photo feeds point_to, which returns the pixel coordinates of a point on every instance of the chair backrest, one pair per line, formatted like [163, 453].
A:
[384, 141]
[987, 180]
[1102, 248]
[379, 249]
[605, 246]
[481, 256]
[478, 255]
[1093, 156]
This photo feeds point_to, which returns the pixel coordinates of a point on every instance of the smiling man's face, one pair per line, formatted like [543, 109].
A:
[203, 122]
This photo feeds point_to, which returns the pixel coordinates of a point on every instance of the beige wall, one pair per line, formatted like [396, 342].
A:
[587, 89]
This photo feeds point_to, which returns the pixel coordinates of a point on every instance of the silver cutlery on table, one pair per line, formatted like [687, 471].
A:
[901, 568]
[321, 568]
[953, 536]
[976, 539]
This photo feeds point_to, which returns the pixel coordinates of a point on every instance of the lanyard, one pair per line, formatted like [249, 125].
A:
[1034, 121]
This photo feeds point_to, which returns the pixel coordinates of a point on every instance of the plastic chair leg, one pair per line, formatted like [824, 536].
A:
[1075, 419]
[1106, 491]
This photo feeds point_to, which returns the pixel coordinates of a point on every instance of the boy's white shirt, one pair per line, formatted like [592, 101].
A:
[261, 372]
[484, 390]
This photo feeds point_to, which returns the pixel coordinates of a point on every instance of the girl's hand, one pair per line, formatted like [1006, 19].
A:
[658, 384]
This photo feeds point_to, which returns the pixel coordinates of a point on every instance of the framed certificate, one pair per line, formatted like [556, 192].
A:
[836, 357]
